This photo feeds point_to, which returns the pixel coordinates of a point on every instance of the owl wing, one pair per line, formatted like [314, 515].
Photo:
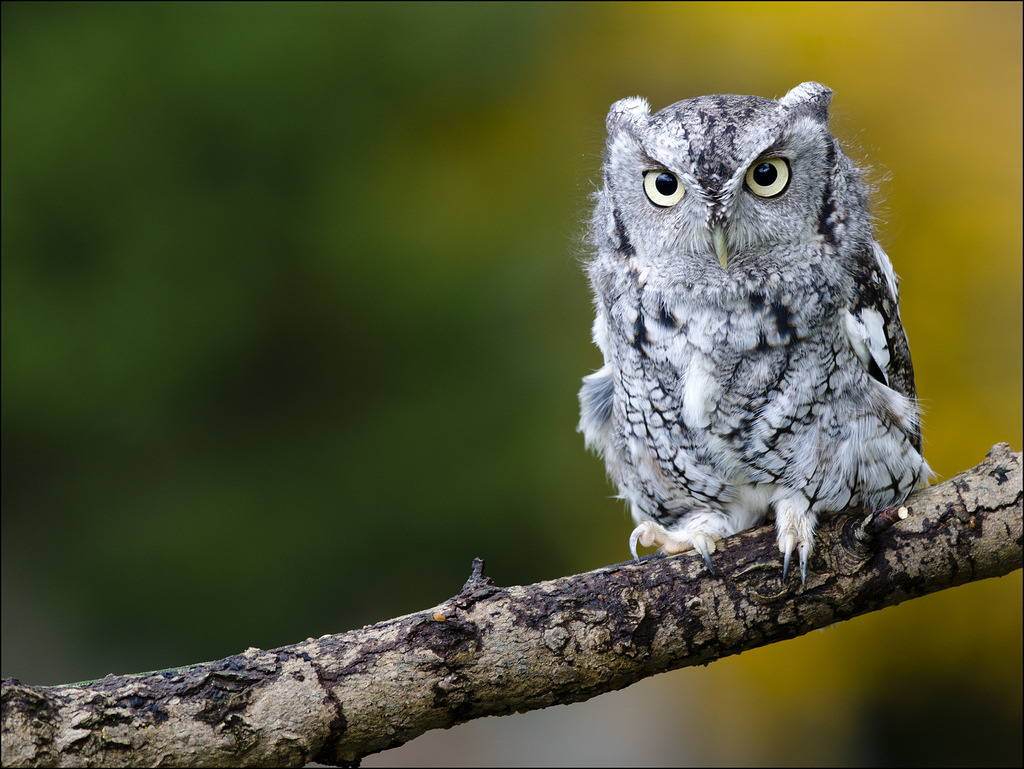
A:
[872, 324]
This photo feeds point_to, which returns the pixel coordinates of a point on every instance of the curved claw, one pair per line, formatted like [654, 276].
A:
[633, 538]
[805, 551]
[704, 546]
[645, 535]
[786, 545]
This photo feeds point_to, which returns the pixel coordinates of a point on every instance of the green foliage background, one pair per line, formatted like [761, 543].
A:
[293, 324]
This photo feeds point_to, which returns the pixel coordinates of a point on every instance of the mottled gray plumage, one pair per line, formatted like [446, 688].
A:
[755, 363]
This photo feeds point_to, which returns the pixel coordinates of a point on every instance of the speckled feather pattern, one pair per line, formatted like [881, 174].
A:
[777, 382]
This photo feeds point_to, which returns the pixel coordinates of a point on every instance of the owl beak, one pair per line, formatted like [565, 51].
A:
[718, 238]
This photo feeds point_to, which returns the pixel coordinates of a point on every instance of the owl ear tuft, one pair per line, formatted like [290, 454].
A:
[809, 98]
[630, 110]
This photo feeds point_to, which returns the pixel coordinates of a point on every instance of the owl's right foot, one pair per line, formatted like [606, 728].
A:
[650, 534]
[794, 523]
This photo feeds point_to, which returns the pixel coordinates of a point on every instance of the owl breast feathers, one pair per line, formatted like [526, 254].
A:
[754, 360]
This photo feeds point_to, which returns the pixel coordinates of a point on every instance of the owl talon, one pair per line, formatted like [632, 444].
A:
[795, 523]
[641, 534]
[705, 546]
[786, 545]
[632, 543]
[649, 534]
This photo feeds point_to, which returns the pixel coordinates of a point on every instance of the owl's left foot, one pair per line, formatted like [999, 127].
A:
[650, 534]
[794, 523]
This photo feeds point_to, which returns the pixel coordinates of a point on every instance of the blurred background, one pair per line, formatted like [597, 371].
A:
[294, 322]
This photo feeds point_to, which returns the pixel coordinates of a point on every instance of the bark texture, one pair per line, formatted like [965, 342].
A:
[494, 650]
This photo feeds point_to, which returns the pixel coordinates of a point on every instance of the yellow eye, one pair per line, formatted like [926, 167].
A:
[663, 188]
[768, 178]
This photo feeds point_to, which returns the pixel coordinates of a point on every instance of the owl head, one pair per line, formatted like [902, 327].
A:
[719, 186]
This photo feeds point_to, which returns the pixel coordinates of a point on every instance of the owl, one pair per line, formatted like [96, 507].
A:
[755, 365]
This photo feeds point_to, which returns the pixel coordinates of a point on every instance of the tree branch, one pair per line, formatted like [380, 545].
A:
[491, 650]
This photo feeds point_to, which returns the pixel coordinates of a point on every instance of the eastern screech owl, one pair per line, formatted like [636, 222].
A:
[754, 360]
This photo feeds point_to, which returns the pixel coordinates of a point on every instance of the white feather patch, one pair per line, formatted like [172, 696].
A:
[866, 332]
[700, 391]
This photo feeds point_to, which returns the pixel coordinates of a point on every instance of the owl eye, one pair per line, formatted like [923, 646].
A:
[768, 178]
[663, 188]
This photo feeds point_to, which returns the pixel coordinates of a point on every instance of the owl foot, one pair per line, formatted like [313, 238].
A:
[649, 534]
[795, 525]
